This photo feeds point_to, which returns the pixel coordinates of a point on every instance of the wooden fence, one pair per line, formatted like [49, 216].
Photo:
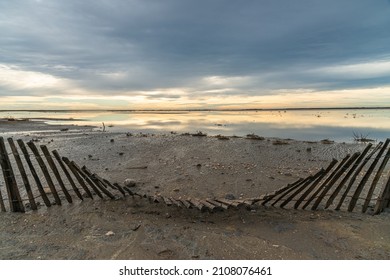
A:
[360, 180]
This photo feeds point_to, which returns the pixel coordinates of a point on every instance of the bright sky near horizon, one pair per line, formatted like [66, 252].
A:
[167, 54]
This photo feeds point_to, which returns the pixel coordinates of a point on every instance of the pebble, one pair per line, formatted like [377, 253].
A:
[130, 183]
[230, 196]
[110, 233]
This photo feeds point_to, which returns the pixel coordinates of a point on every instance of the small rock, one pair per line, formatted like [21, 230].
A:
[130, 183]
[112, 140]
[167, 215]
[176, 190]
[90, 156]
[308, 150]
[230, 196]
[110, 233]
[121, 153]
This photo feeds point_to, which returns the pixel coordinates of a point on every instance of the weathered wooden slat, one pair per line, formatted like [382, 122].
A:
[305, 181]
[355, 156]
[357, 171]
[34, 173]
[269, 197]
[383, 198]
[186, 203]
[102, 181]
[365, 178]
[15, 201]
[327, 187]
[77, 176]
[327, 180]
[45, 171]
[217, 204]
[22, 171]
[229, 202]
[301, 187]
[167, 201]
[53, 167]
[315, 183]
[375, 181]
[176, 202]
[2, 205]
[86, 179]
[68, 176]
[196, 203]
[97, 182]
[208, 205]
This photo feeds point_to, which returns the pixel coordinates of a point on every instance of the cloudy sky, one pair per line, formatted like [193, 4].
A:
[140, 54]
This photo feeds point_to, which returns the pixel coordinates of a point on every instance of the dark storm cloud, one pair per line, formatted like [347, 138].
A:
[124, 46]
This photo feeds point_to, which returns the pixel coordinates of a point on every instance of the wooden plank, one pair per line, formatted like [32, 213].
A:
[357, 171]
[196, 203]
[77, 176]
[167, 201]
[98, 183]
[217, 204]
[327, 180]
[34, 173]
[383, 198]
[304, 182]
[176, 202]
[301, 188]
[103, 182]
[22, 171]
[45, 172]
[375, 181]
[2, 205]
[269, 197]
[208, 205]
[186, 203]
[86, 179]
[68, 176]
[327, 187]
[15, 201]
[344, 180]
[366, 176]
[53, 167]
[229, 202]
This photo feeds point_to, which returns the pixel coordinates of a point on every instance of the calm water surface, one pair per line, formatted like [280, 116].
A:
[339, 125]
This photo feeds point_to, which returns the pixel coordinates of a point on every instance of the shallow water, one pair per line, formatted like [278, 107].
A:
[340, 125]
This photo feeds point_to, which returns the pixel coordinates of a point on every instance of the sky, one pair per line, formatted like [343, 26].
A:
[186, 54]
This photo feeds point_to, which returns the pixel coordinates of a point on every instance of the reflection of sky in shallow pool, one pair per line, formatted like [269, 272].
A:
[337, 125]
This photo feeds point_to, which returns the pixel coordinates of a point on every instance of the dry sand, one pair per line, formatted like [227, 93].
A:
[184, 165]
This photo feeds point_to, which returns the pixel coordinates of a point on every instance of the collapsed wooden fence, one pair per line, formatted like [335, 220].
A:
[361, 179]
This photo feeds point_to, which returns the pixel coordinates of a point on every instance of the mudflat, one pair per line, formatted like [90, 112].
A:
[188, 166]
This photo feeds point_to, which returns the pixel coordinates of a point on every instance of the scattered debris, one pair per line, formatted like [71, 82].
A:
[131, 183]
[254, 137]
[110, 233]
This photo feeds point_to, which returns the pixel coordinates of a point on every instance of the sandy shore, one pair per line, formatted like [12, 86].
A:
[185, 165]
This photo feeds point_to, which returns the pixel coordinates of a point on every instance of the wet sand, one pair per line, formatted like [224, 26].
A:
[182, 166]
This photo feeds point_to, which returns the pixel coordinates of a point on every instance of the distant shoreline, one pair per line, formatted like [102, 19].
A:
[203, 110]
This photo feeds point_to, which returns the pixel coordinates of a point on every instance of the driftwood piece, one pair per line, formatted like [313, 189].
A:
[167, 201]
[68, 176]
[53, 167]
[176, 202]
[45, 172]
[22, 171]
[196, 203]
[14, 199]
[357, 171]
[34, 173]
[208, 205]
[77, 176]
